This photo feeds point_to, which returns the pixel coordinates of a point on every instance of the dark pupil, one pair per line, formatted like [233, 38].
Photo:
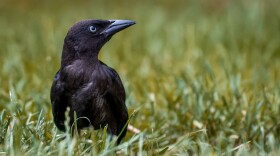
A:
[92, 28]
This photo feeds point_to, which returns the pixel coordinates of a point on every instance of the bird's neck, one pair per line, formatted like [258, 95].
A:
[70, 55]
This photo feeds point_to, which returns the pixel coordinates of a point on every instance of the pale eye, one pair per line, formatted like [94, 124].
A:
[92, 29]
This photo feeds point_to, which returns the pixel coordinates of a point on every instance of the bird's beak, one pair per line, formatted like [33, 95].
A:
[116, 26]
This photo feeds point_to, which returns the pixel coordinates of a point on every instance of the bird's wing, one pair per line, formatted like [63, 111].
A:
[116, 96]
[59, 101]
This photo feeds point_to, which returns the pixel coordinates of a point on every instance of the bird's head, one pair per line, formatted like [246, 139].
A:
[87, 37]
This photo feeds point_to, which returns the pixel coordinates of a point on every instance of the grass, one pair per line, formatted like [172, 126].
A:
[202, 78]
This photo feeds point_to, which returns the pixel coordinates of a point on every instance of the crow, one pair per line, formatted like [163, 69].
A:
[86, 85]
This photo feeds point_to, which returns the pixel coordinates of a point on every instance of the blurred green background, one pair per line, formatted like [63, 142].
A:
[201, 76]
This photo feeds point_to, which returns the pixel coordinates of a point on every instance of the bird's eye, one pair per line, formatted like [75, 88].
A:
[92, 29]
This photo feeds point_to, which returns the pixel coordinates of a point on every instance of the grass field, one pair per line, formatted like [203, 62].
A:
[201, 77]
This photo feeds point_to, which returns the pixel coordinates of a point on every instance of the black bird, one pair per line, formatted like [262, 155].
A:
[86, 85]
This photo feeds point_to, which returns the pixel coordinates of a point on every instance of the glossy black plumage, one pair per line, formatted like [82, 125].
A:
[86, 85]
